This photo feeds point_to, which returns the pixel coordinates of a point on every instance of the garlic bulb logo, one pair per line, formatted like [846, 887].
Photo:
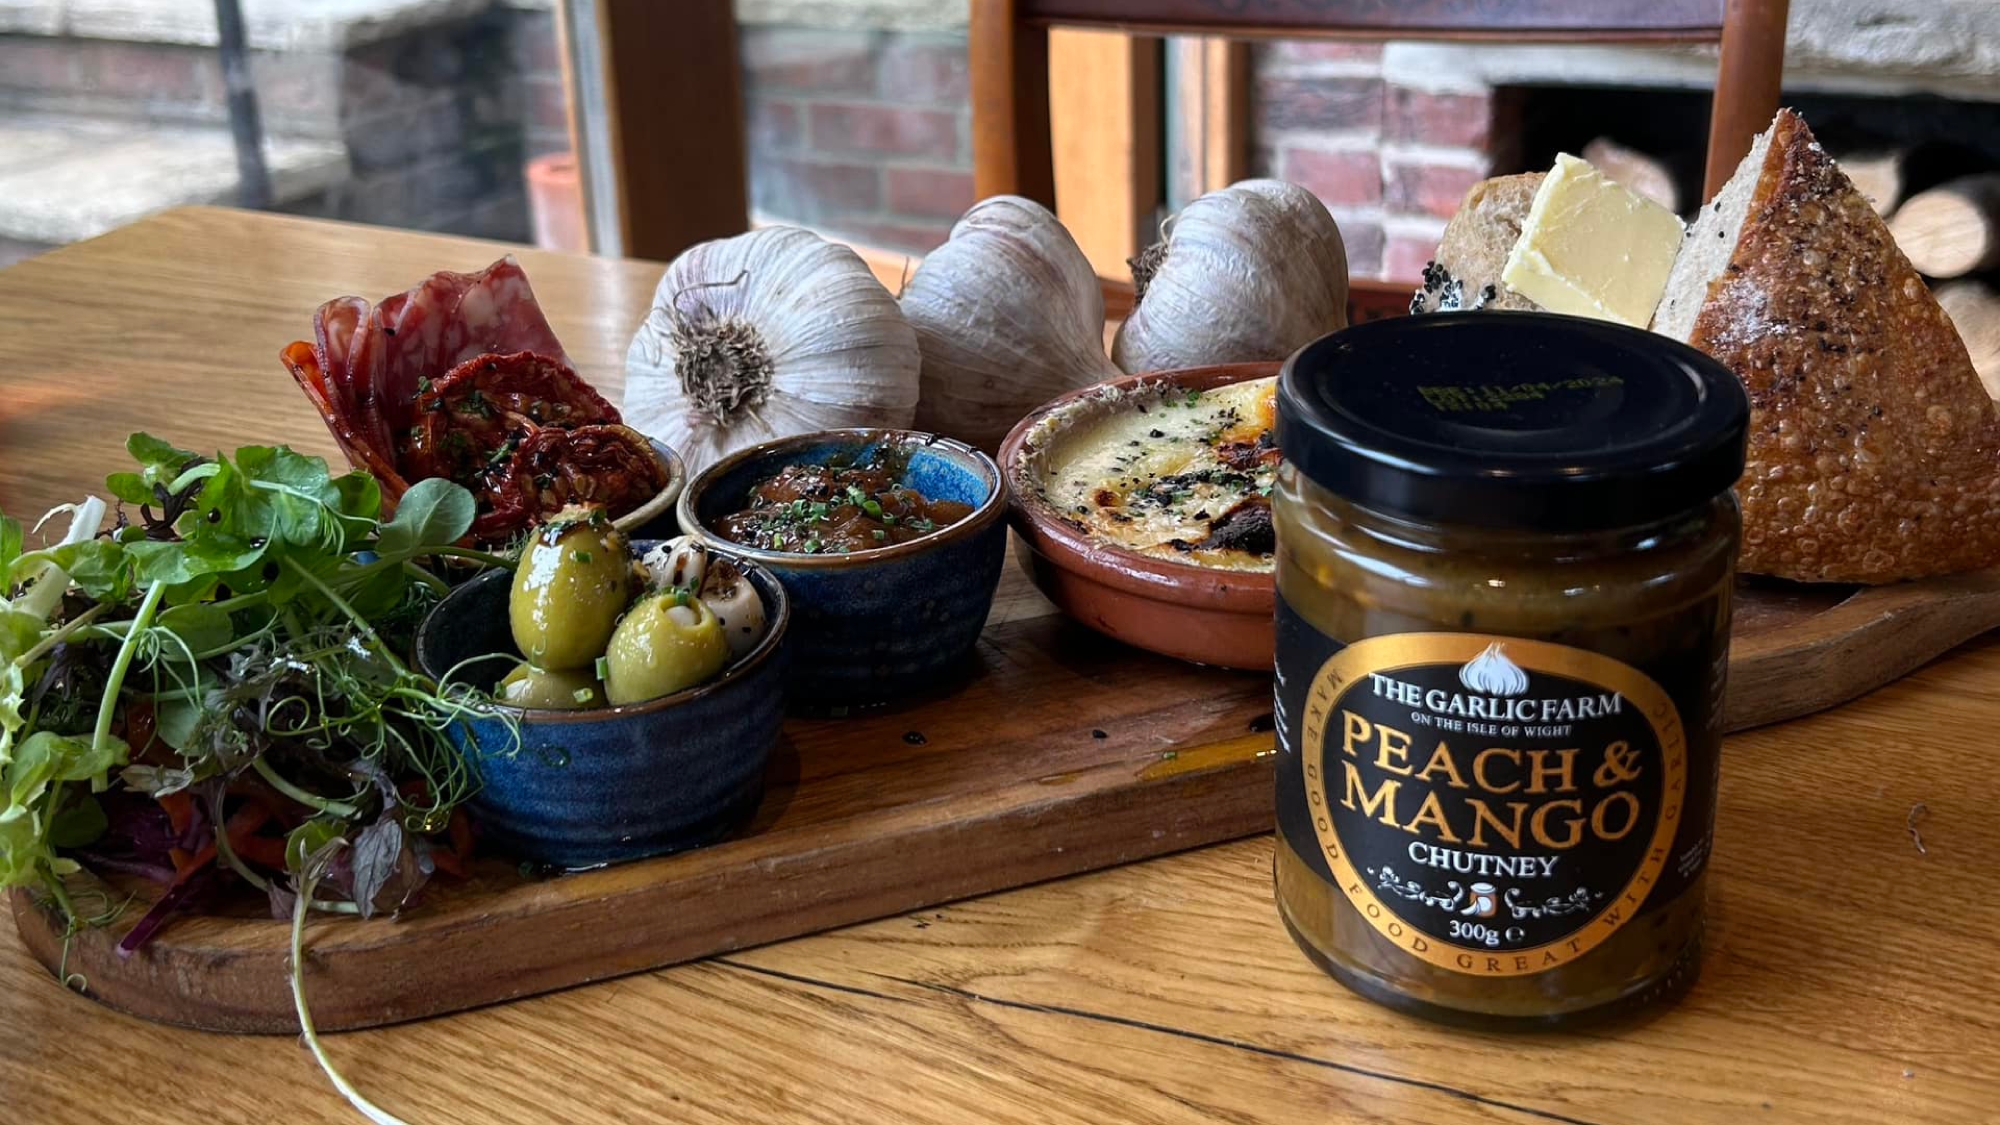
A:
[1491, 673]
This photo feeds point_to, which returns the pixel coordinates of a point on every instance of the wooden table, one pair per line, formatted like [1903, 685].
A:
[1851, 977]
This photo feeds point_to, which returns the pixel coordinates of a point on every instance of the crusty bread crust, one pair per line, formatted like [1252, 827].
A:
[1480, 236]
[1874, 450]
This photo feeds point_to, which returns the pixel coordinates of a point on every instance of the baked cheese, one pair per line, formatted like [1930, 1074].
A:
[1173, 474]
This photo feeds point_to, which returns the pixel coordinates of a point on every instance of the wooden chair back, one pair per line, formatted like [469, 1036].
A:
[1009, 42]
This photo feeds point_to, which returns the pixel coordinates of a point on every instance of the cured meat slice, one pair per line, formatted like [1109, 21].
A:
[336, 327]
[446, 319]
[462, 377]
[361, 451]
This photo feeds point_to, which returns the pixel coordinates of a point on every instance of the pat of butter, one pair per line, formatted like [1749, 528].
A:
[1592, 248]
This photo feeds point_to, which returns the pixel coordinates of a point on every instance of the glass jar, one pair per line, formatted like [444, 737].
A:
[1506, 547]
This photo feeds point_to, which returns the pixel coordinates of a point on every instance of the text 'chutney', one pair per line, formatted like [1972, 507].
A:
[1506, 546]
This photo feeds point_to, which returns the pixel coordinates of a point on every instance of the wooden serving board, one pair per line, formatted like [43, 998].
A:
[1062, 752]
[1798, 649]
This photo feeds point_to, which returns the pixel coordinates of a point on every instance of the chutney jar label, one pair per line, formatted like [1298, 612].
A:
[1492, 805]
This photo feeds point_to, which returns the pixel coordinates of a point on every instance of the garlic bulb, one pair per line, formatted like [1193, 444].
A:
[765, 335]
[1251, 272]
[1008, 314]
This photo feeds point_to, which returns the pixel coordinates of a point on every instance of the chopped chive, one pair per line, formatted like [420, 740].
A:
[812, 546]
[583, 694]
[580, 556]
[879, 534]
[602, 668]
[872, 508]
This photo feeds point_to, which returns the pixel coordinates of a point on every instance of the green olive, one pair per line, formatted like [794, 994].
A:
[668, 642]
[528, 686]
[573, 581]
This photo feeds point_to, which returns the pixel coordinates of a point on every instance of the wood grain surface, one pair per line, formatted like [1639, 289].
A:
[1850, 980]
[1851, 975]
[1062, 751]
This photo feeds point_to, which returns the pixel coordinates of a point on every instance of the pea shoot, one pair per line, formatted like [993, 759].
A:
[252, 623]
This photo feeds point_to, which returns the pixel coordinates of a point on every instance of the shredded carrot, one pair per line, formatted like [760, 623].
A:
[196, 862]
[460, 832]
[243, 823]
[448, 862]
[264, 851]
[180, 810]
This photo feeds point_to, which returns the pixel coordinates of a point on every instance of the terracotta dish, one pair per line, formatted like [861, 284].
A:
[1209, 616]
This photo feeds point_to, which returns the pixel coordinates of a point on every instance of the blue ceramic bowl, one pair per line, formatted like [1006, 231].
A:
[617, 783]
[876, 626]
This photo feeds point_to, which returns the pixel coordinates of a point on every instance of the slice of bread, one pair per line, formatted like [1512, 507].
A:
[1483, 232]
[1874, 450]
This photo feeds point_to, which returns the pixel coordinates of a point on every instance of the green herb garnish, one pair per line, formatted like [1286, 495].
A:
[251, 623]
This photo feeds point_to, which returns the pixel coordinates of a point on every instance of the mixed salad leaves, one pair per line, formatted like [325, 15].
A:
[208, 688]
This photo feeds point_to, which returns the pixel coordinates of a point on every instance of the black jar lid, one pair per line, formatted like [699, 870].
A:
[1512, 419]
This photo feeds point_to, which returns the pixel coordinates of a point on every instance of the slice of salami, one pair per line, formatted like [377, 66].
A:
[300, 358]
[462, 377]
[447, 319]
[337, 327]
[497, 313]
[334, 327]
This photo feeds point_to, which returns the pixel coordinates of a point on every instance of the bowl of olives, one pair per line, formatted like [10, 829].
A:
[645, 680]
